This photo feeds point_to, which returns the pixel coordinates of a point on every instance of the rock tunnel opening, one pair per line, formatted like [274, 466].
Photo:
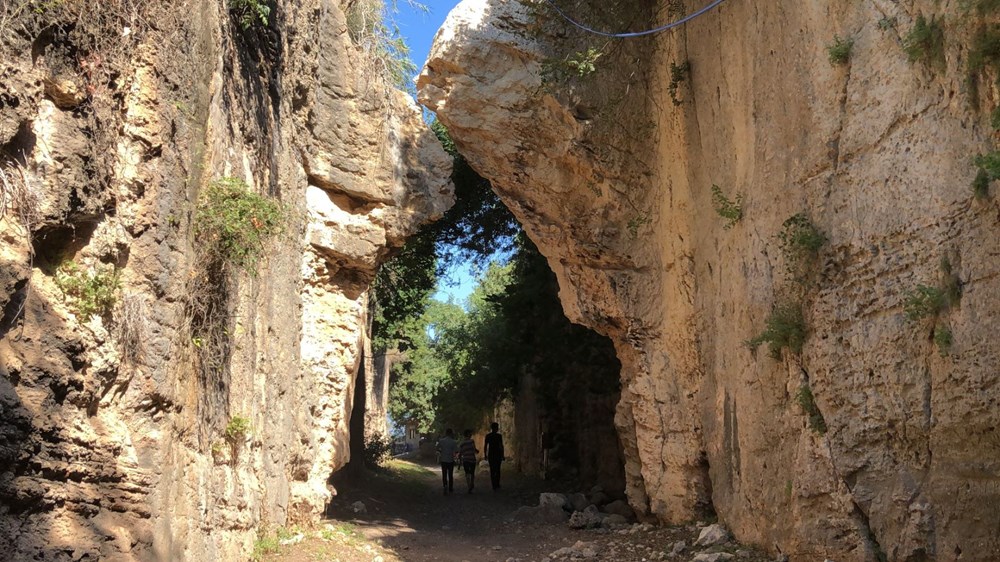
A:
[503, 352]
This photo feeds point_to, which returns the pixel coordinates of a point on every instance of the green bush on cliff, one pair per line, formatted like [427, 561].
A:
[925, 42]
[237, 429]
[988, 168]
[92, 292]
[584, 63]
[232, 223]
[678, 73]
[982, 7]
[800, 243]
[728, 209]
[250, 12]
[785, 328]
[989, 163]
[943, 339]
[981, 185]
[924, 301]
[839, 52]
[807, 402]
[985, 50]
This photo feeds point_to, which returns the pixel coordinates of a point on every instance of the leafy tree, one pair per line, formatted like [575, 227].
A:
[402, 289]
[479, 226]
[516, 328]
[431, 349]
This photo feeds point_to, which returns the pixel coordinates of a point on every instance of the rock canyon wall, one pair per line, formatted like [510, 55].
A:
[154, 406]
[877, 438]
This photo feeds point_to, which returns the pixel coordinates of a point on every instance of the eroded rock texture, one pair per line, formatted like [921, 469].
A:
[611, 171]
[114, 446]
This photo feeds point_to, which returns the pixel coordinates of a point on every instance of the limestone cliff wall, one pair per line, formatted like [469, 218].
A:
[611, 171]
[114, 116]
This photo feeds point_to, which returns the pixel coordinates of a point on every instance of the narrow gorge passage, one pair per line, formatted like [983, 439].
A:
[406, 518]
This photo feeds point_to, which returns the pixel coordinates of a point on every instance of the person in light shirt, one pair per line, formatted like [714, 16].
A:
[467, 452]
[447, 449]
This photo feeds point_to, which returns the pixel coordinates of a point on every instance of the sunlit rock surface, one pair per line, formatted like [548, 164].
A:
[116, 453]
[611, 173]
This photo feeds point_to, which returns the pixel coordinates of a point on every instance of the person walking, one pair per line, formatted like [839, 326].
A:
[467, 451]
[447, 448]
[493, 449]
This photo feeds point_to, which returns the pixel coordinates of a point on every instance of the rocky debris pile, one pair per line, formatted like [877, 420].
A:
[579, 550]
[642, 541]
[581, 511]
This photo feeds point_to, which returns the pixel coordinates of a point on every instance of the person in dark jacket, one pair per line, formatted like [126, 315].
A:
[493, 449]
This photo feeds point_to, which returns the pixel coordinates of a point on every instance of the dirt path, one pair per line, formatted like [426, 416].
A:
[407, 518]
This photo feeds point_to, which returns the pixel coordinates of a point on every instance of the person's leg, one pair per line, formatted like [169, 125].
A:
[451, 477]
[495, 473]
[444, 476]
[468, 467]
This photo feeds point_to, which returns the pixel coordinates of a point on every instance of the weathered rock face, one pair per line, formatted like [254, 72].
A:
[611, 173]
[107, 136]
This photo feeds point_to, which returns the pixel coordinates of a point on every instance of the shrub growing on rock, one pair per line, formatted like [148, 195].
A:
[786, 327]
[925, 42]
[839, 52]
[92, 292]
[728, 209]
[800, 243]
[807, 402]
[233, 223]
[943, 339]
[237, 429]
[250, 12]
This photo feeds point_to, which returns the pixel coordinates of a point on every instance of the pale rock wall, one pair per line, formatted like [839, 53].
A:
[876, 152]
[103, 458]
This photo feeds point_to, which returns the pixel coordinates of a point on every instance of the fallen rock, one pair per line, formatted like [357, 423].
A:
[614, 521]
[577, 501]
[552, 499]
[65, 92]
[599, 498]
[678, 548]
[712, 557]
[711, 535]
[359, 508]
[588, 518]
[541, 514]
[580, 549]
[619, 507]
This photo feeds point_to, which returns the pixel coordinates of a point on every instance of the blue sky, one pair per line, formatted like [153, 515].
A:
[419, 28]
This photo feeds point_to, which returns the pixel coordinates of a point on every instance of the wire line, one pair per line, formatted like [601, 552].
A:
[662, 28]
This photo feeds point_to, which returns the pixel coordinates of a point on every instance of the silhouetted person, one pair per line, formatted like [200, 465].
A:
[467, 451]
[447, 447]
[493, 449]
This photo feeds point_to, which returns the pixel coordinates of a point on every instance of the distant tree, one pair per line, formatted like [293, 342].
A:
[476, 229]
[431, 350]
